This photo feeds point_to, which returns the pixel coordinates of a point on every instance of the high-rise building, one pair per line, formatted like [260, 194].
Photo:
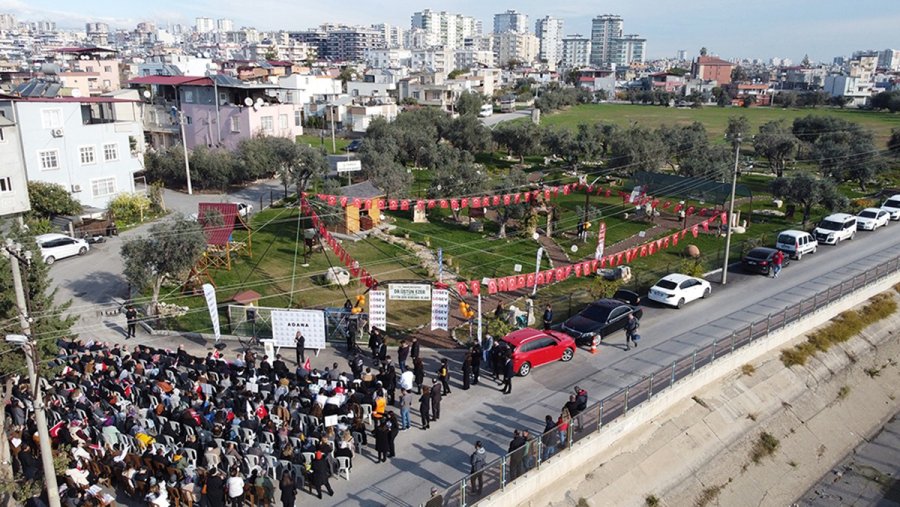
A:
[576, 51]
[604, 28]
[515, 47]
[224, 25]
[510, 21]
[43, 26]
[204, 25]
[393, 35]
[7, 22]
[889, 59]
[443, 28]
[550, 32]
[350, 43]
[681, 55]
[627, 50]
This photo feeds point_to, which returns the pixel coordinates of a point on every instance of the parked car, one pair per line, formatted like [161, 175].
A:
[677, 289]
[870, 219]
[760, 260]
[603, 317]
[244, 210]
[56, 246]
[796, 243]
[835, 228]
[532, 347]
[892, 206]
[354, 145]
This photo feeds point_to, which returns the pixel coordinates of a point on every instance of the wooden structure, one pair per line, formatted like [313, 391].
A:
[218, 221]
[364, 191]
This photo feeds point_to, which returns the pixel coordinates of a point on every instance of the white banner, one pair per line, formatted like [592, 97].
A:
[601, 240]
[349, 166]
[378, 309]
[286, 323]
[440, 309]
[209, 292]
[409, 292]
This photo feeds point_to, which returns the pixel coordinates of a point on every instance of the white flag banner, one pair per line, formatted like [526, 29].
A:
[209, 292]
[440, 309]
[286, 323]
[601, 240]
[378, 309]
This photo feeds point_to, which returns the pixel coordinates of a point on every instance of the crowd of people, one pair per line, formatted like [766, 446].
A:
[169, 427]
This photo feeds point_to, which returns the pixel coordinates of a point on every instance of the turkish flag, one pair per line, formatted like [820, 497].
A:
[444, 204]
[619, 258]
[343, 201]
[626, 198]
[602, 262]
[690, 211]
[667, 204]
[332, 200]
[517, 198]
[703, 212]
[454, 204]
[353, 270]
[529, 280]
[464, 202]
[476, 202]
[367, 204]
[651, 248]
[511, 283]
[547, 194]
[566, 189]
[666, 242]
[724, 218]
[496, 200]
[420, 204]
[357, 202]
[683, 233]
[404, 205]
[322, 197]
[705, 225]
[578, 270]
[695, 230]
[608, 192]
[492, 286]
[392, 204]
[461, 288]
[560, 274]
[594, 264]
[568, 271]
[431, 203]
[539, 279]
[521, 281]
[501, 284]
[507, 199]
[475, 287]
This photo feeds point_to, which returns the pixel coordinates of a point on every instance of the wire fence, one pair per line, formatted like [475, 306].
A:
[538, 451]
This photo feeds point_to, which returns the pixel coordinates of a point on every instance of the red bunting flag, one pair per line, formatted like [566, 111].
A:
[608, 192]
[461, 288]
[703, 212]
[667, 204]
[404, 205]
[464, 202]
[529, 280]
[476, 202]
[566, 189]
[517, 198]
[501, 284]
[343, 201]
[643, 250]
[357, 202]
[527, 197]
[420, 204]
[675, 238]
[381, 204]
[619, 258]
[547, 194]
[475, 287]
[521, 281]
[332, 200]
[666, 242]
[683, 233]
[367, 204]
[454, 204]
[431, 203]
[496, 200]
[602, 262]
[560, 274]
[724, 218]
[695, 230]
[492, 286]
[678, 207]
[507, 199]
[690, 211]
[393, 204]
[444, 204]
[705, 225]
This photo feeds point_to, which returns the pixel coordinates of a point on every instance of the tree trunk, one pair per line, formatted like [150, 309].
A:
[6, 469]
[154, 301]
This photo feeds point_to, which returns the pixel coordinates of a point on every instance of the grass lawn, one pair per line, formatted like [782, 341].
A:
[316, 141]
[715, 119]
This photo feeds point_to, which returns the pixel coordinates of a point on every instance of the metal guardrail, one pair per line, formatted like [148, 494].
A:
[497, 474]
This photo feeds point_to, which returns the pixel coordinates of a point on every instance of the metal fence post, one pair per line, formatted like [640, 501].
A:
[600, 417]
[650, 389]
[768, 324]
[503, 472]
[462, 493]
[733, 336]
[540, 450]
[693, 362]
[714, 352]
[672, 384]
[626, 401]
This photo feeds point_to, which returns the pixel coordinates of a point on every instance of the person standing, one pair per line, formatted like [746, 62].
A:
[382, 441]
[131, 319]
[508, 374]
[548, 316]
[425, 407]
[235, 488]
[444, 376]
[477, 461]
[486, 346]
[320, 475]
[406, 402]
[436, 396]
[467, 371]
[476, 363]
[414, 349]
[215, 489]
[419, 373]
[402, 354]
[393, 430]
[288, 489]
[549, 437]
[517, 455]
[300, 342]
[631, 327]
[778, 260]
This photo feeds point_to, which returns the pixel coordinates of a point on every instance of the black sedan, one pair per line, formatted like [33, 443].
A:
[603, 317]
[760, 260]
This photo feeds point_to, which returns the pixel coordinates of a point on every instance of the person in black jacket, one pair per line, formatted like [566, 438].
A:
[215, 489]
[436, 396]
[548, 317]
[288, 489]
[419, 373]
[476, 363]
[508, 375]
[425, 406]
[382, 441]
[467, 371]
[30, 465]
[300, 342]
[320, 475]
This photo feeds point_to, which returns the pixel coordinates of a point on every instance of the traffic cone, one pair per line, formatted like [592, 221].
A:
[594, 346]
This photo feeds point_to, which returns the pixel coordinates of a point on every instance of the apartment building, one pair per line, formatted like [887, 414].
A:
[442, 28]
[13, 179]
[515, 47]
[604, 29]
[576, 51]
[510, 21]
[549, 31]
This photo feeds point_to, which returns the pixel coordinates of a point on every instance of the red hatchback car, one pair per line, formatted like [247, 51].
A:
[533, 347]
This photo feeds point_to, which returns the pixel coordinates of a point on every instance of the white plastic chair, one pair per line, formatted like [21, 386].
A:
[344, 466]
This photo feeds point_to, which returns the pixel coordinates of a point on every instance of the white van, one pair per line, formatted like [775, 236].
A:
[486, 110]
[796, 243]
[892, 206]
[835, 228]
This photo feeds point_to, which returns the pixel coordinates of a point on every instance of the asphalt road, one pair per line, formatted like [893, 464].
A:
[496, 118]
[439, 456]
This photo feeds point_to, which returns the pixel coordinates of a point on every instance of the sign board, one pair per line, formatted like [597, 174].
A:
[517, 268]
[601, 240]
[440, 309]
[331, 420]
[209, 292]
[269, 346]
[349, 166]
[409, 292]
[286, 323]
[378, 309]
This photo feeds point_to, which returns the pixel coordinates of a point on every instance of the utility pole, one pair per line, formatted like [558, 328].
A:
[12, 252]
[187, 163]
[333, 142]
[737, 152]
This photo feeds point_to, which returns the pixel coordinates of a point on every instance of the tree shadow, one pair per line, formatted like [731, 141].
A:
[99, 287]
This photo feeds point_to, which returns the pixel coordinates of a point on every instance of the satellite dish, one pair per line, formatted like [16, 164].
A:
[248, 102]
[535, 236]
[146, 94]
[574, 248]
[259, 102]
[76, 92]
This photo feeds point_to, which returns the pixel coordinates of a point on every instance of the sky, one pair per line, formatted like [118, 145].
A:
[763, 29]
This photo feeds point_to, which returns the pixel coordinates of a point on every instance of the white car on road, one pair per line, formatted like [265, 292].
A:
[870, 219]
[677, 289]
[892, 206]
[59, 246]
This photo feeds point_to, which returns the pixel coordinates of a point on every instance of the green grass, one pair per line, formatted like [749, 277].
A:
[715, 119]
[316, 141]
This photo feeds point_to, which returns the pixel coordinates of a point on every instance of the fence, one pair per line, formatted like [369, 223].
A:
[500, 472]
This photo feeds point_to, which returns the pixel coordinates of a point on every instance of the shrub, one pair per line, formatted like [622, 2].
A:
[766, 445]
[129, 208]
[51, 199]
[603, 288]
[692, 267]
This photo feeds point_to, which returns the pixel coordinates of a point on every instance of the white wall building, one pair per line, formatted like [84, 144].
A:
[549, 31]
[515, 46]
[204, 25]
[388, 58]
[443, 28]
[438, 60]
[627, 50]
[224, 25]
[603, 29]
[13, 180]
[510, 21]
[474, 58]
[576, 51]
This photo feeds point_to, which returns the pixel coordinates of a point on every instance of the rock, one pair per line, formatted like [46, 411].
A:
[738, 230]
[339, 276]
[692, 251]
[476, 226]
[778, 203]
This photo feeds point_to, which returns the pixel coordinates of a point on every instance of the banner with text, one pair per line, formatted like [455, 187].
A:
[209, 292]
[409, 292]
[286, 323]
[378, 309]
[440, 309]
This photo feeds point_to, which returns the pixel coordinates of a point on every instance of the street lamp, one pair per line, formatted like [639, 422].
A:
[211, 72]
[737, 151]
[187, 164]
[13, 252]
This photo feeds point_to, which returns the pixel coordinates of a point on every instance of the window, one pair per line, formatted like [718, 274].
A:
[103, 187]
[267, 124]
[89, 68]
[110, 152]
[49, 159]
[5, 185]
[189, 96]
[235, 124]
[2, 136]
[298, 119]
[87, 155]
[51, 118]
[107, 68]
[283, 121]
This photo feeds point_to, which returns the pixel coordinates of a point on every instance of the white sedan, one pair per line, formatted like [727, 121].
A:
[677, 289]
[870, 219]
[59, 246]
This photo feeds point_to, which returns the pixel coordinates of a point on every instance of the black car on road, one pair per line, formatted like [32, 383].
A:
[603, 317]
[760, 260]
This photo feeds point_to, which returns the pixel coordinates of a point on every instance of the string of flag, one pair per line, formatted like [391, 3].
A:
[585, 268]
[352, 264]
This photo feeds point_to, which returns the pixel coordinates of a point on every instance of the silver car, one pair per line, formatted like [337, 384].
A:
[56, 246]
